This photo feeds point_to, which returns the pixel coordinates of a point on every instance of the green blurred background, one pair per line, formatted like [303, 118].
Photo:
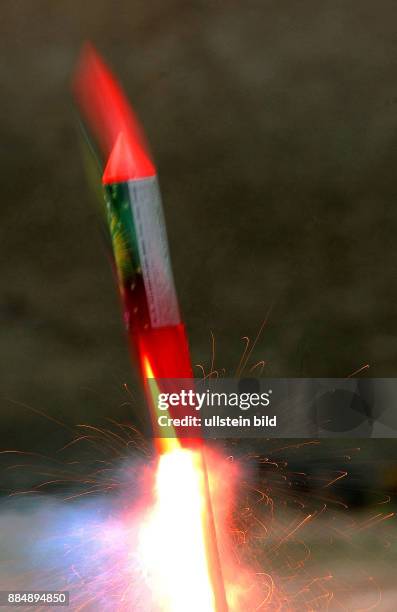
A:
[273, 125]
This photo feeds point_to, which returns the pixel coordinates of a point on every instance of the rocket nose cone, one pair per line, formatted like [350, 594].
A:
[127, 161]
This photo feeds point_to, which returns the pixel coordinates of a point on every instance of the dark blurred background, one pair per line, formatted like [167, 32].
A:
[274, 129]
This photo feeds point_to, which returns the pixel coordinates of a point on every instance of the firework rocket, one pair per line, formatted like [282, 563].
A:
[135, 218]
[136, 222]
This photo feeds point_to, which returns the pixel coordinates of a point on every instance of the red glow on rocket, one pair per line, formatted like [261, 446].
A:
[108, 114]
[169, 351]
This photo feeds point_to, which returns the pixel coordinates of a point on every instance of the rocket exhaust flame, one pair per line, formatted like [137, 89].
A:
[173, 539]
[185, 472]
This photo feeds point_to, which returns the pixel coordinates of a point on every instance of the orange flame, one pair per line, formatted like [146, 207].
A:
[183, 509]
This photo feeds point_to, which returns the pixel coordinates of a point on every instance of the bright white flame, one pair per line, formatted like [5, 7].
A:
[172, 540]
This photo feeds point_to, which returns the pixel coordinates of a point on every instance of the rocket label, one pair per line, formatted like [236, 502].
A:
[141, 248]
[152, 242]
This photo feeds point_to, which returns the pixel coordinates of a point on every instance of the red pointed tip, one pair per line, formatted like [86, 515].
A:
[127, 162]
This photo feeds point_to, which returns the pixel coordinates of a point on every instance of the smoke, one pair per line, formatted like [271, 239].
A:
[84, 545]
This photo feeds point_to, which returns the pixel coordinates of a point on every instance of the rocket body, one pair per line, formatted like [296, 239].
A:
[144, 274]
[140, 246]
